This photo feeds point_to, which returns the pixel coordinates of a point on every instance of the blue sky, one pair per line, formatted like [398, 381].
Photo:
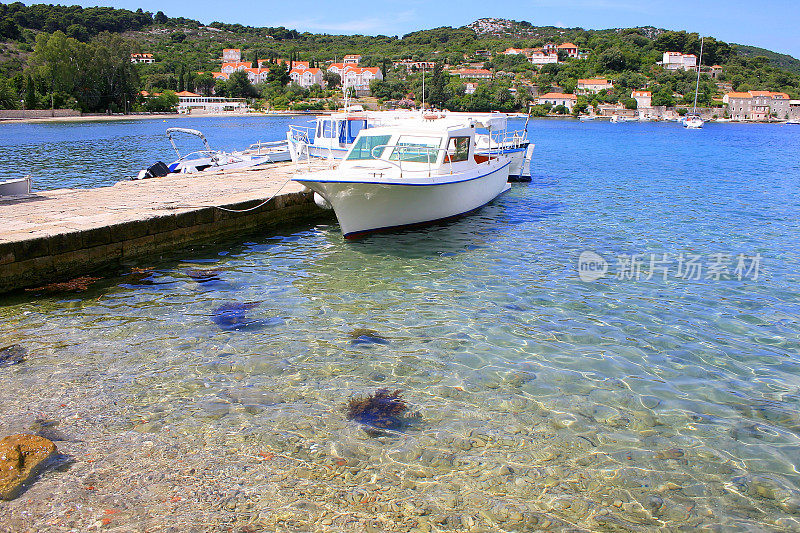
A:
[772, 24]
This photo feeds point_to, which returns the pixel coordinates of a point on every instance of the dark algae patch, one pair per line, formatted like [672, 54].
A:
[363, 336]
[12, 355]
[204, 275]
[382, 410]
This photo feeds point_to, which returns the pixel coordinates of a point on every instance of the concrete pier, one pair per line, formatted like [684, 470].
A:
[58, 235]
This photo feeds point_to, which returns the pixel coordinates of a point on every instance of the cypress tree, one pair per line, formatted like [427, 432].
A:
[30, 94]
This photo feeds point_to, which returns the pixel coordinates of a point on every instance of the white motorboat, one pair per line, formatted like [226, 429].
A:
[333, 135]
[15, 187]
[409, 174]
[256, 154]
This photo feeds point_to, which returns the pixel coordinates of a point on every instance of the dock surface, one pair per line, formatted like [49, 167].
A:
[60, 234]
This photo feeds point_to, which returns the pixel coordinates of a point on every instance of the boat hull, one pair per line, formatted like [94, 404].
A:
[366, 207]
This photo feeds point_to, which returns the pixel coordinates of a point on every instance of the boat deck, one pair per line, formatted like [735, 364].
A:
[60, 234]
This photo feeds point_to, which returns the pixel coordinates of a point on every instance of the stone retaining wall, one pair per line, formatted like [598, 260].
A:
[66, 255]
[38, 113]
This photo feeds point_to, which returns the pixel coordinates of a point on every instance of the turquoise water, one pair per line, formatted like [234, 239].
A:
[95, 154]
[537, 399]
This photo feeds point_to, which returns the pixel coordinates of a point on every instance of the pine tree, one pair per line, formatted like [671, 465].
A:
[30, 94]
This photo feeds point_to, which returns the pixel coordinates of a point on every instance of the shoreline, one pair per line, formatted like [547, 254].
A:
[159, 116]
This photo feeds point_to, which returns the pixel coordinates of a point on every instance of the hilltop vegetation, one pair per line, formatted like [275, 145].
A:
[183, 48]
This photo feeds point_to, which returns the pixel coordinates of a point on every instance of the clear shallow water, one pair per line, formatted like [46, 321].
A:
[94, 154]
[543, 401]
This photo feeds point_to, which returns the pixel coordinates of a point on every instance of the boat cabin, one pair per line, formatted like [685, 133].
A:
[439, 150]
[338, 131]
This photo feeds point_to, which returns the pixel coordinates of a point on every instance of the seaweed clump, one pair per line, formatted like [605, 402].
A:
[79, 284]
[379, 411]
[204, 275]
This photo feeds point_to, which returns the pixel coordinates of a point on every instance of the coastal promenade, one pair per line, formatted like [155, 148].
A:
[60, 234]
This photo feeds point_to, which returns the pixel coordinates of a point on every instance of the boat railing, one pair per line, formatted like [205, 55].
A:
[418, 149]
[301, 133]
[512, 139]
[257, 147]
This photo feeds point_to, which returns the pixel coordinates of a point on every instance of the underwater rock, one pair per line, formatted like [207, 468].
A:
[140, 276]
[204, 275]
[233, 317]
[11, 355]
[363, 336]
[79, 284]
[379, 411]
[21, 458]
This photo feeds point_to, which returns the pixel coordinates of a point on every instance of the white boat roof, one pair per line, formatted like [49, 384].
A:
[439, 128]
[493, 120]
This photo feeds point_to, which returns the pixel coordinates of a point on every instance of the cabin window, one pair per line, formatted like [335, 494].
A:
[413, 149]
[364, 145]
[355, 126]
[458, 149]
[327, 129]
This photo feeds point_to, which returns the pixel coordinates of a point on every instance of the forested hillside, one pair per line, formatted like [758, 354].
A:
[95, 42]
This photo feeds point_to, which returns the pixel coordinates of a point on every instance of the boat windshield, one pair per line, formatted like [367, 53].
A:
[416, 149]
[362, 149]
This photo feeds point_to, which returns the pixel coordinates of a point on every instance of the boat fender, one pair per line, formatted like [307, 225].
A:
[321, 201]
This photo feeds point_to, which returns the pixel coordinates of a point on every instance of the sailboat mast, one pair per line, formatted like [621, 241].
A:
[697, 85]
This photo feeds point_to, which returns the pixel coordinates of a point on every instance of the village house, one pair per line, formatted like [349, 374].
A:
[472, 73]
[593, 86]
[569, 48]
[142, 58]
[483, 53]
[550, 47]
[414, 65]
[231, 55]
[679, 61]
[557, 99]
[517, 51]
[794, 110]
[359, 78]
[644, 99]
[542, 57]
[257, 75]
[306, 77]
[351, 59]
[230, 68]
[757, 105]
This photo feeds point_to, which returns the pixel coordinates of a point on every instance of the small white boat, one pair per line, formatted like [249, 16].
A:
[692, 121]
[333, 135]
[256, 154]
[586, 118]
[16, 187]
[409, 174]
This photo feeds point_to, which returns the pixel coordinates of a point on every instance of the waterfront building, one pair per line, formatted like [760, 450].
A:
[757, 105]
[794, 110]
[556, 99]
[593, 86]
[142, 58]
[189, 102]
[643, 99]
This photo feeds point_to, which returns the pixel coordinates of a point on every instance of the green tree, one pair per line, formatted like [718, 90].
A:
[30, 94]
[8, 94]
[279, 74]
[239, 86]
